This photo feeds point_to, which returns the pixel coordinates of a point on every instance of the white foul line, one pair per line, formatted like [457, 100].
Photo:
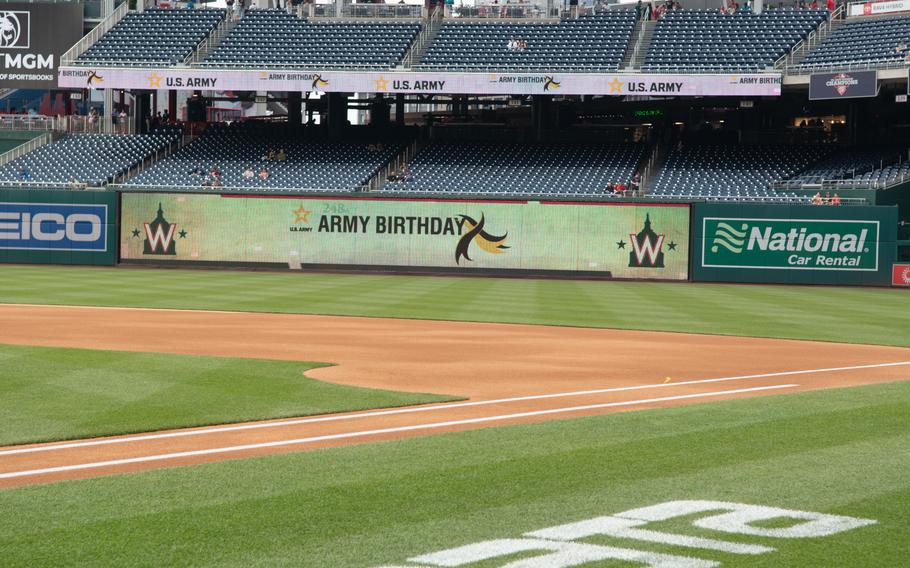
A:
[370, 414]
[363, 433]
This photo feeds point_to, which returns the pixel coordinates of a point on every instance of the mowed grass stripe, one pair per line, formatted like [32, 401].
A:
[856, 315]
[54, 394]
[838, 451]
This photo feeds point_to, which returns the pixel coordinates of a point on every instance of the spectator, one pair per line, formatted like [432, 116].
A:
[93, 116]
[217, 182]
[24, 173]
[512, 44]
[610, 188]
[901, 47]
[73, 182]
[281, 155]
[827, 199]
[522, 44]
[197, 172]
[635, 184]
[835, 200]
[215, 172]
[814, 5]
[248, 173]
[817, 199]
[620, 189]
[264, 173]
[831, 7]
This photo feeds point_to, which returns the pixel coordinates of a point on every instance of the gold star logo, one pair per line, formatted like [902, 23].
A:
[263, 74]
[615, 85]
[494, 78]
[302, 215]
[734, 79]
[381, 84]
[155, 80]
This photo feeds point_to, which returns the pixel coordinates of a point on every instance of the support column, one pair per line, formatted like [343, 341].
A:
[295, 102]
[399, 109]
[107, 124]
[379, 112]
[336, 114]
[172, 104]
[541, 115]
[141, 109]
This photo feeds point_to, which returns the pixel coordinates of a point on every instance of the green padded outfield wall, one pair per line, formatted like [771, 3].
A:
[58, 227]
[607, 240]
[793, 244]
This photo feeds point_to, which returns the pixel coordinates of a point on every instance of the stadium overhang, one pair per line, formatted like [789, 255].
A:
[401, 81]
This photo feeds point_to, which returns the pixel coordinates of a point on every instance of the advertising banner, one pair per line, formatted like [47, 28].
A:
[846, 85]
[873, 8]
[754, 84]
[794, 243]
[607, 240]
[58, 227]
[33, 36]
[900, 275]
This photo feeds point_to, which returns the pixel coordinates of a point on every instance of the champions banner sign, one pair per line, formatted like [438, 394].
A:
[845, 85]
[606, 240]
[756, 84]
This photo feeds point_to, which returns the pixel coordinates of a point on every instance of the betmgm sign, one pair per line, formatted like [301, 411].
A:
[32, 39]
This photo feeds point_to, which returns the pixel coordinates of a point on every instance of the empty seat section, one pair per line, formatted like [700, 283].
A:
[736, 173]
[589, 43]
[155, 36]
[709, 41]
[309, 164]
[93, 159]
[495, 168]
[862, 42]
[274, 37]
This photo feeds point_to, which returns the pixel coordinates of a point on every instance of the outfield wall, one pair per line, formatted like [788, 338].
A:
[793, 244]
[607, 240]
[58, 227]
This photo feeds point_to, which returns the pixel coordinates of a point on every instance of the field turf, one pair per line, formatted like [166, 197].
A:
[839, 451]
[855, 315]
[52, 394]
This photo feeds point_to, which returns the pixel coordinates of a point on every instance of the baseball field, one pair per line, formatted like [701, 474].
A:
[221, 418]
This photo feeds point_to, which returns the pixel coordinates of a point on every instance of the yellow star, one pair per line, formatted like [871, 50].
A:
[155, 80]
[734, 79]
[494, 78]
[302, 215]
[381, 84]
[615, 85]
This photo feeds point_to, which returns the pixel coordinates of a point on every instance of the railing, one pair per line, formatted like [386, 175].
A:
[29, 146]
[841, 184]
[385, 11]
[83, 44]
[505, 10]
[424, 37]
[650, 167]
[640, 32]
[402, 159]
[213, 39]
[814, 38]
[802, 68]
[27, 122]
[149, 161]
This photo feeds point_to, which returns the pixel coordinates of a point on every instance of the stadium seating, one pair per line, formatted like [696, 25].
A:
[848, 164]
[310, 164]
[589, 43]
[862, 42]
[736, 173]
[709, 41]
[155, 36]
[92, 159]
[491, 168]
[274, 37]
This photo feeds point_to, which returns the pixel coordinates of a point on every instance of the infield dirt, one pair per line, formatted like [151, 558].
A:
[478, 361]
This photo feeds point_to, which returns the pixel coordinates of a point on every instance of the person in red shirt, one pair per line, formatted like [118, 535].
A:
[831, 6]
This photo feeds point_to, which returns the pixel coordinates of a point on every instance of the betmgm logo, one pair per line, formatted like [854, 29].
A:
[15, 28]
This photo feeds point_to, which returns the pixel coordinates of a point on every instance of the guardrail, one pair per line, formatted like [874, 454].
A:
[27, 122]
[839, 184]
[83, 44]
[29, 146]
[802, 69]
[384, 11]
[814, 38]
[424, 37]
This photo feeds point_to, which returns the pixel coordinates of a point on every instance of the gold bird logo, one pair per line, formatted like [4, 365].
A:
[485, 241]
[94, 79]
[549, 82]
[318, 81]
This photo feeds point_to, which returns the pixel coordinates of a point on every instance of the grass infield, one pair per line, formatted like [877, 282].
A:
[854, 315]
[56, 394]
[839, 451]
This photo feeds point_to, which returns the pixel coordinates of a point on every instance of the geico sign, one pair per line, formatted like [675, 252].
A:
[28, 61]
[53, 226]
[557, 547]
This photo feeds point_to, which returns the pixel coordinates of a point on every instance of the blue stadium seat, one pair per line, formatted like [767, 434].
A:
[709, 41]
[862, 42]
[153, 37]
[589, 43]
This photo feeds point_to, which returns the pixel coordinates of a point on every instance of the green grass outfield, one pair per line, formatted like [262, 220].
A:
[52, 394]
[858, 315]
[840, 452]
